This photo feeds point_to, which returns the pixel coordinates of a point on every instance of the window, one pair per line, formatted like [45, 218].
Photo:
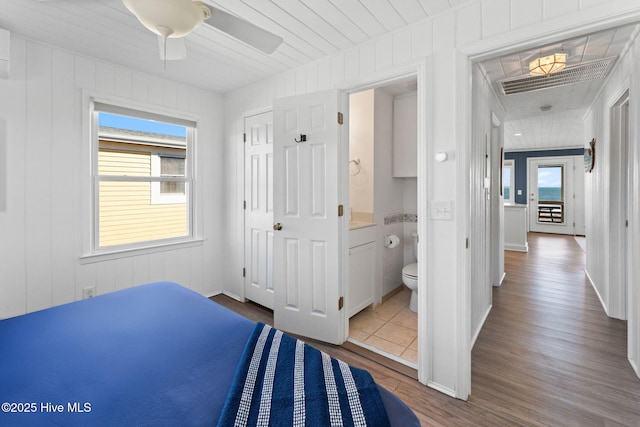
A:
[508, 181]
[168, 165]
[550, 194]
[142, 170]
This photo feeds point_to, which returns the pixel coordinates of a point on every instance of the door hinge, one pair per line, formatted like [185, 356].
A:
[244, 137]
[244, 204]
[244, 272]
[466, 243]
[340, 303]
[340, 118]
[340, 210]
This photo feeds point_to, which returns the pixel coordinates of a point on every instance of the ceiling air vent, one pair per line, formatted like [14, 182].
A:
[576, 74]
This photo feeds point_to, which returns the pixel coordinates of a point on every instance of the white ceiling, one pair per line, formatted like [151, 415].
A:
[563, 125]
[311, 29]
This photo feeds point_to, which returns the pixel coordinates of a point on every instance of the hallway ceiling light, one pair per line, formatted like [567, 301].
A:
[548, 64]
[579, 73]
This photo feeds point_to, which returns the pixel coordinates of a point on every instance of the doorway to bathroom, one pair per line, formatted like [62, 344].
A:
[383, 220]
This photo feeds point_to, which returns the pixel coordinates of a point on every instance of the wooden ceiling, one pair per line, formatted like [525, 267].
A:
[311, 29]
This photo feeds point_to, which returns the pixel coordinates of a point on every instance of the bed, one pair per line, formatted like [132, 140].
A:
[156, 354]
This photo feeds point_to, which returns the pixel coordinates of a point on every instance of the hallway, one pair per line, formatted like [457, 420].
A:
[548, 354]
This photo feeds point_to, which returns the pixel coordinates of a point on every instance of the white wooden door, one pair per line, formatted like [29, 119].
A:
[258, 256]
[551, 195]
[310, 166]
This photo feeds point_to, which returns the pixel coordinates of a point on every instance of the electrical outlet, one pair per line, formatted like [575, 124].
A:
[89, 292]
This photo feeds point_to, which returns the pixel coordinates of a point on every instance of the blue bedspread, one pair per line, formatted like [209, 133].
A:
[153, 355]
[281, 381]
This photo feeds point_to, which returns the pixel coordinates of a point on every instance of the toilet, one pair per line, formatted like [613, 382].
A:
[410, 275]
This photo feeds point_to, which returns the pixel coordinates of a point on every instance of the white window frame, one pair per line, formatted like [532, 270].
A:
[91, 252]
[157, 197]
[510, 164]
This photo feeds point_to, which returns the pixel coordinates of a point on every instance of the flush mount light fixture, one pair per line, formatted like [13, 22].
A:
[548, 64]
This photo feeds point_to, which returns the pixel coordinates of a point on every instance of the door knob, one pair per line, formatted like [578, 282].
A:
[277, 226]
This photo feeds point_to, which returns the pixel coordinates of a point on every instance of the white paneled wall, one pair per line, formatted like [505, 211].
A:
[603, 204]
[445, 41]
[42, 225]
[604, 225]
[485, 105]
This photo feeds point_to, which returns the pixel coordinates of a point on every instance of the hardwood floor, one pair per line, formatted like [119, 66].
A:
[547, 355]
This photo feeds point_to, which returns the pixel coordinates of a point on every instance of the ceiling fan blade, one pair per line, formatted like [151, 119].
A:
[244, 30]
[175, 49]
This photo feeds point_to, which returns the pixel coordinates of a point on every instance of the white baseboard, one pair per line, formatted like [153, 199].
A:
[232, 295]
[604, 306]
[517, 248]
[496, 285]
[442, 389]
[634, 365]
[480, 326]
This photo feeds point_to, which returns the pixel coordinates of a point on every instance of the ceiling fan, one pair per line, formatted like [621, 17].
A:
[172, 20]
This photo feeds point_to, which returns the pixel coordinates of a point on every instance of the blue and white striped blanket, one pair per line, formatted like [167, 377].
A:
[281, 381]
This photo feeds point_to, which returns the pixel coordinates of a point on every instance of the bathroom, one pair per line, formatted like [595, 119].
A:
[383, 220]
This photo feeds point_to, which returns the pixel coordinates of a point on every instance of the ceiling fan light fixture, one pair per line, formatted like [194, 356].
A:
[548, 64]
[169, 18]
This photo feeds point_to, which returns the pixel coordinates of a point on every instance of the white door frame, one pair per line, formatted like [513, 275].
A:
[422, 71]
[618, 212]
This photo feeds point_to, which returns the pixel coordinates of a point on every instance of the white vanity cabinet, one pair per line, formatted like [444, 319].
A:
[405, 135]
[362, 251]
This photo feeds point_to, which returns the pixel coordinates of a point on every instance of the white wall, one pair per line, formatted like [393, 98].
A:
[601, 184]
[410, 207]
[388, 198]
[603, 224]
[446, 42]
[42, 225]
[361, 136]
[485, 241]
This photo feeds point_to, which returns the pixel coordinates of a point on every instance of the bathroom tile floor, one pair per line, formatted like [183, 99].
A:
[390, 327]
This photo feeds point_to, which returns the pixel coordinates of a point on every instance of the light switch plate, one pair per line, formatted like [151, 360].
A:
[442, 209]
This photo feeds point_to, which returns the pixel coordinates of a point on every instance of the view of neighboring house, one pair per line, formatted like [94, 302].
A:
[134, 210]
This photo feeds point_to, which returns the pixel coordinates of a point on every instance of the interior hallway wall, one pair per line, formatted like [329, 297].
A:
[42, 225]
[484, 160]
[602, 204]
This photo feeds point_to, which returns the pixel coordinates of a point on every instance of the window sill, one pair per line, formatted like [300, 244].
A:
[109, 255]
